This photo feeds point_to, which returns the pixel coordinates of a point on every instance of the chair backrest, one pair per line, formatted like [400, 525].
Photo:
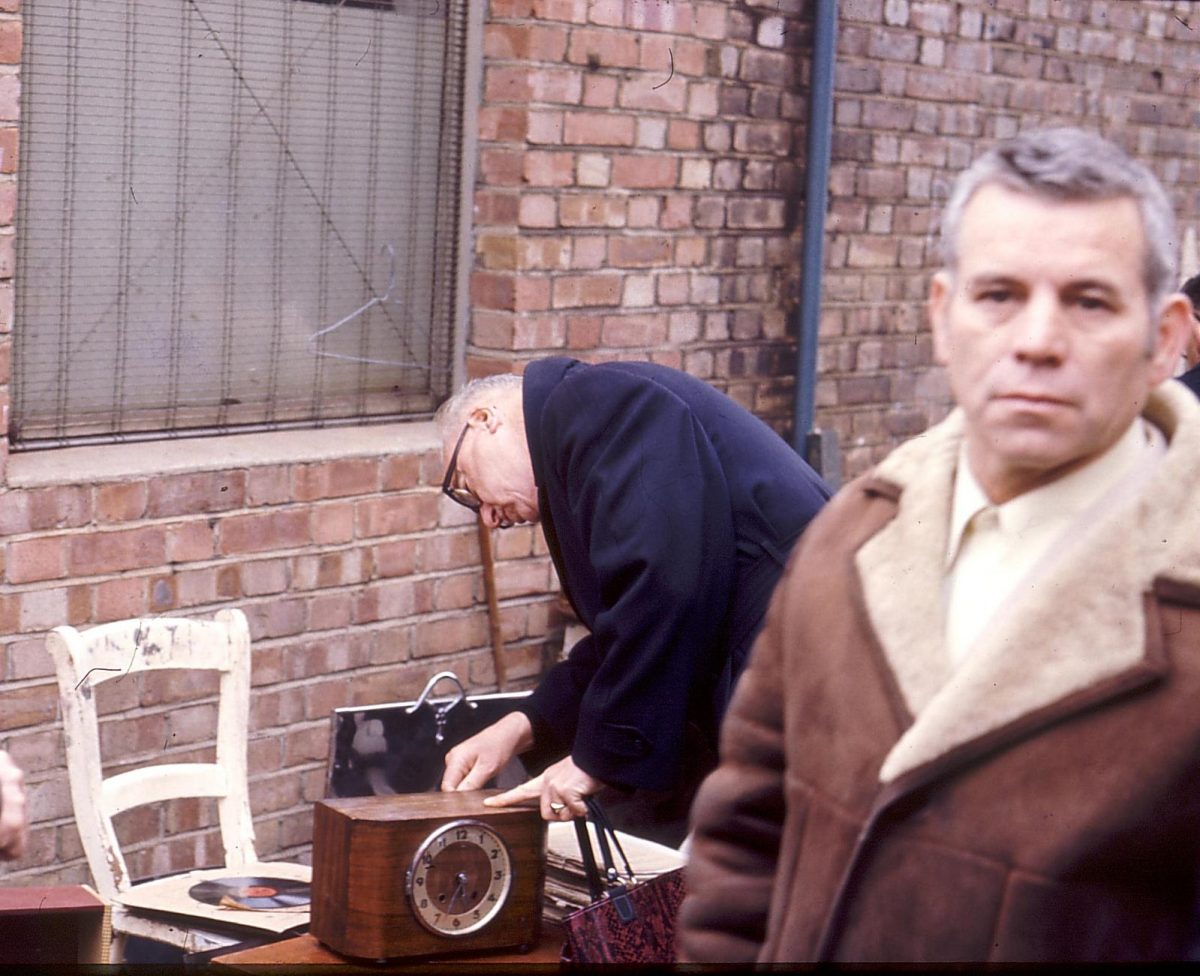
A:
[85, 659]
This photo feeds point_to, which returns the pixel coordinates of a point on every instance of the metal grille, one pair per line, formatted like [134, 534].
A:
[234, 213]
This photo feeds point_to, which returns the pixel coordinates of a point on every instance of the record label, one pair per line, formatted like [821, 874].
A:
[254, 894]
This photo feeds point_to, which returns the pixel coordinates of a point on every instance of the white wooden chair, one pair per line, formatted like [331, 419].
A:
[85, 659]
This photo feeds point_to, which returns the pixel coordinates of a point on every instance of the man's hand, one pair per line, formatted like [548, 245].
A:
[559, 790]
[14, 822]
[473, 762]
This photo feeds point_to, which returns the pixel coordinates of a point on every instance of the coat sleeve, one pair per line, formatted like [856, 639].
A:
[738, 817]
[650, 508]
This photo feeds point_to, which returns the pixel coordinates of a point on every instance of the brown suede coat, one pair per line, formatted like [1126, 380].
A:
[1041, 803]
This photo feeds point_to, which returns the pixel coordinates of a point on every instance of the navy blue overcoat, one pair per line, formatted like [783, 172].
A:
[669, 512]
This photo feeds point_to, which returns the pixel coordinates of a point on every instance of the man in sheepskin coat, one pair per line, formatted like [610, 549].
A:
[970, 729]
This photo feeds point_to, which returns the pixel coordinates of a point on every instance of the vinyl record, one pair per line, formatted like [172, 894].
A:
[253, 894]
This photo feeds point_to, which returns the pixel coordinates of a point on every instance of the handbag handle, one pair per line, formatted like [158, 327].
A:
[606, 839]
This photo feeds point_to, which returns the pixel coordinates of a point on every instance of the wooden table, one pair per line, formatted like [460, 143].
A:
[305, 950]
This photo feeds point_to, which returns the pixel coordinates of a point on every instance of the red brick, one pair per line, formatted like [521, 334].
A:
[571, 11]
[673, 58]
[189, 541]
[111, 552]
[447, 551]
[603, 48]
[31, 705]
[10, 42]
[46, 508]
[506, 83]
[268, 485]
[538, 210]
[544, 253]
[500, 167]
[401, 471]
[491, 330]
[524, 42]
[635, 330]
[591, 210]
[397, 514]
[333, 524]
[497, 123]
[645, 172]
[572, 291]
[496, 291]
[336, 479]
[542, 168]
[397, 558]
[121, 502]
[639, 94]
[120, 599]
[598, 129]
[275, 618]
[451, 634]
[263, 532]
[495, 208]
[10, 98]
[639, 252]
[762, 212]
[32, 560]
[683, 134]
[599, 91]
[531, 293]
[774, 138]
[497, 252]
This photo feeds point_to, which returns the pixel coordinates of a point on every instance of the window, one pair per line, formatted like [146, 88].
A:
[235, 214]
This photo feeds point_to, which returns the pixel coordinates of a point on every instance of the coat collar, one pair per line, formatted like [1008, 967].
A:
[1084, 627]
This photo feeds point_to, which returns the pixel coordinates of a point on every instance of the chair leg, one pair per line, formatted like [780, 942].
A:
[116, 948]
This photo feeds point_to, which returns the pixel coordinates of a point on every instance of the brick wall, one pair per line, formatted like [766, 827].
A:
[639, 165]
[359, 580]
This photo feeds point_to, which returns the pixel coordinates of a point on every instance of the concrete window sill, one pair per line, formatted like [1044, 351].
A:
[121, 462]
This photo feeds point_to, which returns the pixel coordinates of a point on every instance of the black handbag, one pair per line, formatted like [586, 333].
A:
[400, 747]
[628, 921]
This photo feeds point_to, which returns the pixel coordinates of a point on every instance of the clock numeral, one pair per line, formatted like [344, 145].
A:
[495, 853]
[457, 922]
[497, 875]
[424, 903]
[460, 834]
[475, 913]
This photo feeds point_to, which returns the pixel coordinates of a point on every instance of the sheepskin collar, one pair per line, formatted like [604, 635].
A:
[1084, 623]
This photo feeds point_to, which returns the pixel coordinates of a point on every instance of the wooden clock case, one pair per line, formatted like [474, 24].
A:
[363, 848]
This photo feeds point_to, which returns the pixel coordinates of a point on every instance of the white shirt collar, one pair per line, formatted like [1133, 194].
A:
[1061, 499]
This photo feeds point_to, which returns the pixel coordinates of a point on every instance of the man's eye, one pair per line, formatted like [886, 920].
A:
[1091, 303]
[995, 295]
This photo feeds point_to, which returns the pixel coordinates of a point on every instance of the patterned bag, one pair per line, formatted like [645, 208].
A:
[628, 921]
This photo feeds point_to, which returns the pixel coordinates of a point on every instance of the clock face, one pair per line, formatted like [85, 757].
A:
[460, 878]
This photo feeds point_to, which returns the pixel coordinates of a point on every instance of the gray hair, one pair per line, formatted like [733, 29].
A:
[1069, 164]
[453, 413]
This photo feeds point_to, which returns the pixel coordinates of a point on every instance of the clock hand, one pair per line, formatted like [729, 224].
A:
[459, 891]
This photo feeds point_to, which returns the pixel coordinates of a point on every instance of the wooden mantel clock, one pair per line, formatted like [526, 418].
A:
[423, 874]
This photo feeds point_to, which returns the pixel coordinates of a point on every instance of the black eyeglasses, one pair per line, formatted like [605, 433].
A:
[464, 496]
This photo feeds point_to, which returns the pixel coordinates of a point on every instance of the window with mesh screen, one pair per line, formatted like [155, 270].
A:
[234, 214]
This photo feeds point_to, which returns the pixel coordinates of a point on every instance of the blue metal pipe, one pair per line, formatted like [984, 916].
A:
[816, 191]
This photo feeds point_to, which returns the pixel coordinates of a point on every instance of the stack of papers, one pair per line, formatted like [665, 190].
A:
[566, 882]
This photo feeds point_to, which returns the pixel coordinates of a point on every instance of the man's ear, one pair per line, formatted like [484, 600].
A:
[487, 417]
[941, 289]
[1171, 336]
